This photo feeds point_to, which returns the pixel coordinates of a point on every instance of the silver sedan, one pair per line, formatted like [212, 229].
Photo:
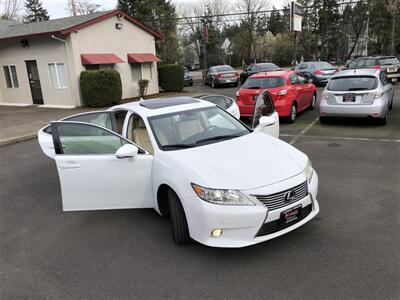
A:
[365, 93]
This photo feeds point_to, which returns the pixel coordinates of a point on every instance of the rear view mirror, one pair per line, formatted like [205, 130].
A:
[126, 151]
[266, 121]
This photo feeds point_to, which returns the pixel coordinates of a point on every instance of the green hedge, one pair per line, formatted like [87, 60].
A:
[101, 87]
[171, 77]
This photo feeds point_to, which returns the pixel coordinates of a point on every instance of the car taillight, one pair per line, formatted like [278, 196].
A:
[237, 93]
[219, 75]
[377, 67]
[235, 74]
[317, 72]
[282, 92]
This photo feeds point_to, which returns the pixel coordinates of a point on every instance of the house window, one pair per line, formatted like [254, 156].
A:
[141, 71]
[146, 71]
[136, 72]
[10, 72]
[58, 75]
[99, 67]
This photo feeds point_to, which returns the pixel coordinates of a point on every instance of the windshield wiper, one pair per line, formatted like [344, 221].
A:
[219, 137]
[253, 87]
[177, 146]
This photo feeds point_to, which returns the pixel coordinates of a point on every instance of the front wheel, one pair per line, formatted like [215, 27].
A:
[293, 114]
[180, 230]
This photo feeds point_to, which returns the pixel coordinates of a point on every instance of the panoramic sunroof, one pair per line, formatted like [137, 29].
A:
[167, 102]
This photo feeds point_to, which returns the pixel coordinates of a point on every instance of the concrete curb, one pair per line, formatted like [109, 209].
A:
[18, 139]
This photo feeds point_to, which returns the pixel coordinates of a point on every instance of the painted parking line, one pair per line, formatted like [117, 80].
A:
[303, 132]
[296, 137]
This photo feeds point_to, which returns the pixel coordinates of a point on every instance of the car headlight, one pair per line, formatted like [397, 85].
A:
[222, 196]
[308, 171]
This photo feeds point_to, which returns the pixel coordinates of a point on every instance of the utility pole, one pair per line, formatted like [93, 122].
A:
[295, 48]
[205, 41]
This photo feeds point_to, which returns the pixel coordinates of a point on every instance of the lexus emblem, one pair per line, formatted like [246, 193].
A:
[289, 196]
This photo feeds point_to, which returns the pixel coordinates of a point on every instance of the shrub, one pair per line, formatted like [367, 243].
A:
[101, 87]
[143, 84]
[171, 77]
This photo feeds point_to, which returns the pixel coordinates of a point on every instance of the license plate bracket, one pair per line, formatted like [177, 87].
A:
[349, 98]
[291, 215]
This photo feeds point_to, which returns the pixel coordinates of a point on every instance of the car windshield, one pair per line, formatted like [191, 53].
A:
[389, 61]
[356, 83]
[224, 69]
[194, 128]
[323, 65]
[268, 66]
[263, 83]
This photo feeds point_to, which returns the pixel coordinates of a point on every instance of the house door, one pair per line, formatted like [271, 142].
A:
[34, 81]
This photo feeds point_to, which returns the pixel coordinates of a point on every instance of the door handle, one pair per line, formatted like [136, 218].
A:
[70, 165]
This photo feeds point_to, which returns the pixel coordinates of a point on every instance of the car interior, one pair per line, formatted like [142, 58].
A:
[138, 133]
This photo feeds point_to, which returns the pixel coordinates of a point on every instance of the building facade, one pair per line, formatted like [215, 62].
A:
[41, 62]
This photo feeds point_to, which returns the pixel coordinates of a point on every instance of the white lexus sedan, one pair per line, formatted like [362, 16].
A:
[220, 182]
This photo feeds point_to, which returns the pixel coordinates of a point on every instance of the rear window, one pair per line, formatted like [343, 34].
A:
[268, 66]
[224, 69]
[263, 83]
[218, 100]
[356, 83]
[389, 61]
[323, 65]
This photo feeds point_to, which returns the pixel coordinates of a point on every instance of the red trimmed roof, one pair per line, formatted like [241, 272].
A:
[67, 25]
[142, 57]
[100, 59]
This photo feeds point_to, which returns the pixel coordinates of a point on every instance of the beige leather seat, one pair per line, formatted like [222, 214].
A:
[187, 128]
[140, 135]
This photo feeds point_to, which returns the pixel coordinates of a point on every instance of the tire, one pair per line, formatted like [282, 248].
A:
[180, 230]
[213, 84]
[292, 114]
[313, 102]
[383, 121]
[323, 120]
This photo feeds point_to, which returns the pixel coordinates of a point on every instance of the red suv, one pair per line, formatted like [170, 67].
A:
[290, 92]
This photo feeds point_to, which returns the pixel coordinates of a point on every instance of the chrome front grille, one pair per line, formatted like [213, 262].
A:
[277, 200]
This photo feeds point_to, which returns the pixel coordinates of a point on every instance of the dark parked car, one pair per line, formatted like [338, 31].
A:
[390, 63]
[256, 68]
[221, 75]
[318, 71]
[188, 77]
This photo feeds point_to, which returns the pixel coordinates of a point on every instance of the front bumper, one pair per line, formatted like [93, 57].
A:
[188, 81]
[241, 224]
[377, 109]
[394, 76]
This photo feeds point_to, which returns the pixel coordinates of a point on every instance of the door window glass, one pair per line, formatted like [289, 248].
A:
[303, 66]
[76, 139]
[10, 73]
[264, 107]
[102, 119]
[293, 79]
[218, 100]
[120, 116]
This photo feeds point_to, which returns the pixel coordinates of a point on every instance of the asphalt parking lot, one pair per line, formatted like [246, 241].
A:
[351, 250]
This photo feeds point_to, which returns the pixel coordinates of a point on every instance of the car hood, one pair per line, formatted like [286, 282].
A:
[247, 162]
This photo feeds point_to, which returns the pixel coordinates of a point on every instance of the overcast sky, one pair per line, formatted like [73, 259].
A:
[59, 8]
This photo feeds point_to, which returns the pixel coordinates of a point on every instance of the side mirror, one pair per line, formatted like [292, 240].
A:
[266, 121]
[126, 151]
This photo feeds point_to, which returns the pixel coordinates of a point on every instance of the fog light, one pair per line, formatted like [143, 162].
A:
[216, 232]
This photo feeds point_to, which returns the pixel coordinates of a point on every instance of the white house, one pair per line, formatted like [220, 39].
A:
[41, 62]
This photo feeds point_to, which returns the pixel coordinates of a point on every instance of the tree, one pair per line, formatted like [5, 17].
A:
[393, 7]
[10, 9]
[35, 12]
[159, 15]
[84, 7]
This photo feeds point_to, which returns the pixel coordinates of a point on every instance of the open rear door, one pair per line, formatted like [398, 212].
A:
[264, 106]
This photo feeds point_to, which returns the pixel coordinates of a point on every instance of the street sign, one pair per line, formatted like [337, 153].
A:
[295, 16]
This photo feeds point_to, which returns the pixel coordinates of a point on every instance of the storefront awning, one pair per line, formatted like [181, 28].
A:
[142, 57]
[100, 59]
